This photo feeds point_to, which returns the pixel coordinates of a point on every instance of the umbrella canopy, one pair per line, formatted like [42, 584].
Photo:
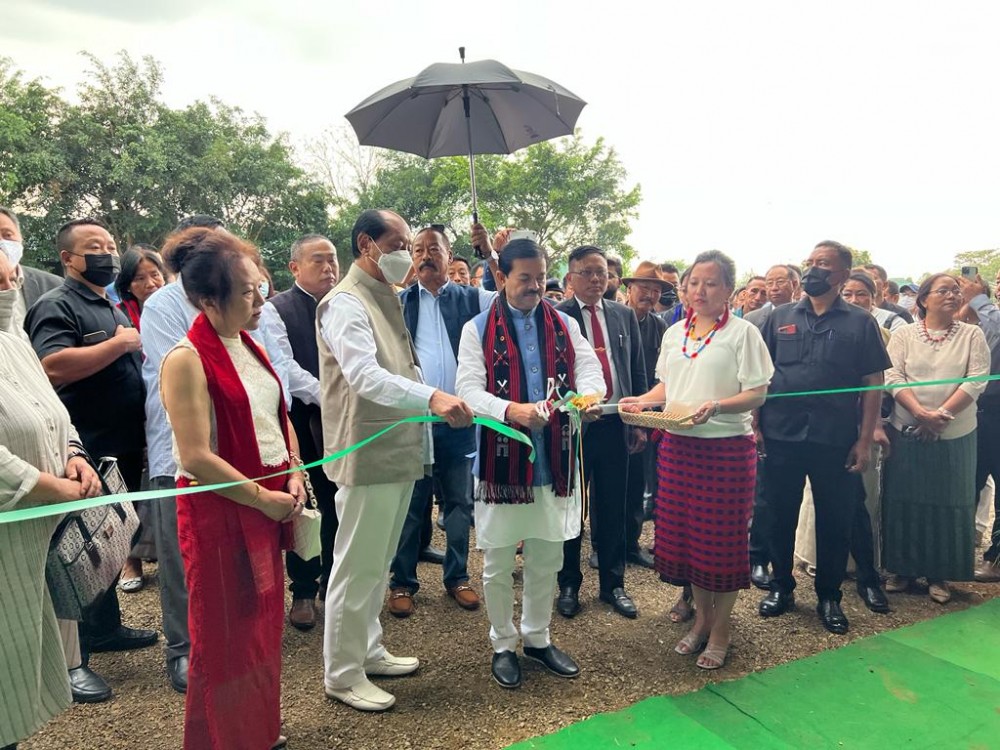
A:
[426, 115]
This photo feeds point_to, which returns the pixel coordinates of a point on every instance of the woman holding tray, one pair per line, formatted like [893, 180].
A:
[714, 370]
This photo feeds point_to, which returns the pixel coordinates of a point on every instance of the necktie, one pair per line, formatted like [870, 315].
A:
[601, 349]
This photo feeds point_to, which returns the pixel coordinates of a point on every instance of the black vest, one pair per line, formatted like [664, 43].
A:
[458, 304]
[298, 311]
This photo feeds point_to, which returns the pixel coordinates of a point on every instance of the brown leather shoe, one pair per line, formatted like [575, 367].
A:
[401, 603]
[302, 615]
[466, 597]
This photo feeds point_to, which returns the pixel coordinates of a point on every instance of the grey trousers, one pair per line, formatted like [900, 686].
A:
[173, 590]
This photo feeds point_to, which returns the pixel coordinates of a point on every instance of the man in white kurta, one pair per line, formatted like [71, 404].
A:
[540, 516]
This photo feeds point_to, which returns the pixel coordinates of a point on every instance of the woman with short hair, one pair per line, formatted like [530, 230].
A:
[929, 480]
[142, 274]
[719, 365]
[230, 424]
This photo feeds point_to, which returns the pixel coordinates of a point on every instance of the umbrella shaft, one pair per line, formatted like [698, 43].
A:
[472, 158]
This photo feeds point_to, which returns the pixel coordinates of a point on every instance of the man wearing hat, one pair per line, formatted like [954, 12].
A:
[645, 288]
[553, 291]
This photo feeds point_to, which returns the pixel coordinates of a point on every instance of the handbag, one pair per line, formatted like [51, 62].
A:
[89, 547]
[306, 525]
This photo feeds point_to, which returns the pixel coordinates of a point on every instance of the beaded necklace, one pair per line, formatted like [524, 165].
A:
[703, 340]
[935, 341]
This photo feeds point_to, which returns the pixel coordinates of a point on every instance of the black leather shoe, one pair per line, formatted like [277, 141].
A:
[557, 662]
[440, 521]
[874, 598]
[125, 639]
[88, 686]
[431, 555]
[594, 562]
[641, 558]
[760, 577]
[177, 671]
[776, 603]
[568, 603]
[621, 601]
[506, 670]
[832, 616]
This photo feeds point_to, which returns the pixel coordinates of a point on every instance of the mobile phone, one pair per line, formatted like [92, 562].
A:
[94, 337]
[970, 272]
[522, 234]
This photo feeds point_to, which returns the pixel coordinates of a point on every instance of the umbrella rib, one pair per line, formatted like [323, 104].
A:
[489, 109]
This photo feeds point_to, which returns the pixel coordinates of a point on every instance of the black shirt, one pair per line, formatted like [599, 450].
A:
[810, 353]
[651, 330]
[106, 408]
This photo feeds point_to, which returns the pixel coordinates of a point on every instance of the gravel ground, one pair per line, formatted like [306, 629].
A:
[452, 701]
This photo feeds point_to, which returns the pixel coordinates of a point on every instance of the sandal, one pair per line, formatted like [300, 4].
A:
[896, 584]
[692, 643]
[939, 591]
[682, 611]
[131, 585]
[713, 657]
[281, 743]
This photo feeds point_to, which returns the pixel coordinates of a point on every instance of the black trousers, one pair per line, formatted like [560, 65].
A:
[836, 494]
[308, 577]
[988, 464]
[863, 545]
[605, 463]
[106, 617]
[760, 553]
[634, 490]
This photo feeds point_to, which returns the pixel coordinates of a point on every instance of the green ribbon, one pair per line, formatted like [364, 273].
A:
[887, 387]
[43, 511]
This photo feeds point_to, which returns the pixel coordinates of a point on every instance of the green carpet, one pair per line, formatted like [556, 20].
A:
[935, 685]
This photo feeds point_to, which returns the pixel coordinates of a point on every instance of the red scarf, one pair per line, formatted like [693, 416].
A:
[131, 308]
[505, 473]
[233, 416]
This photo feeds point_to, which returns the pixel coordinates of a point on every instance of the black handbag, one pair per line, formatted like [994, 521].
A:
[89, 547]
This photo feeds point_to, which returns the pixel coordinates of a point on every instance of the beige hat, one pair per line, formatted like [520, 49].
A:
[647, 271]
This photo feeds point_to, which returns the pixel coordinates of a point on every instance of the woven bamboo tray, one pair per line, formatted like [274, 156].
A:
[674, 417]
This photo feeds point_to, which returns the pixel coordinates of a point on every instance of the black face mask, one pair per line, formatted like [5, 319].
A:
[816, 281]
[102, 269]
[668, 298]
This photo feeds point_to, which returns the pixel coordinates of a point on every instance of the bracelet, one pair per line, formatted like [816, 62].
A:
[293, 458]
[942, 410]
[256, 498]
[76, 454]
[716, 408]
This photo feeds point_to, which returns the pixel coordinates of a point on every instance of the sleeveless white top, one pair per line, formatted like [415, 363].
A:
[264, 394]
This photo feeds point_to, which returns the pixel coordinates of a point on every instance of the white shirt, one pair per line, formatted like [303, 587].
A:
[301, 384]
[166, 317]
[736, 360]
[616, 390]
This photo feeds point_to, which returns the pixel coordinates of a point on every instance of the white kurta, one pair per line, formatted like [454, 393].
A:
[549, 518]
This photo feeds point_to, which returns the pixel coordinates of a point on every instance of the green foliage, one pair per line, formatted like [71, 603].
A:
[566, 191]
[125, 157]
[987, 261]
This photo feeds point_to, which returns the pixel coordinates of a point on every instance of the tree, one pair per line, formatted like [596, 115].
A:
[566, 191]
[986, 261]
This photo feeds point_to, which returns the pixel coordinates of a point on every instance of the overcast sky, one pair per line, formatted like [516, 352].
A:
[755, 128]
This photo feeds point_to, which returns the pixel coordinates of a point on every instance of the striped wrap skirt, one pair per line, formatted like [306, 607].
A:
[703, 509]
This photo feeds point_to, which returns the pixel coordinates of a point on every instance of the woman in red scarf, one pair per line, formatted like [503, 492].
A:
[142, 274]
[230, 424]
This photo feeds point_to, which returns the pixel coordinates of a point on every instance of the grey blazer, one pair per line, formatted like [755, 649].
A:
[37, 283]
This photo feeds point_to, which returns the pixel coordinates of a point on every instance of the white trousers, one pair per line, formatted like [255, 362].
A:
[542, 561]
[984, 506]
[371, 519]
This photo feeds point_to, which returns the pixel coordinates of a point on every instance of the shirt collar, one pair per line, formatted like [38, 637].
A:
[441, 289]
[304, 291]
[83, 290]
[838, 305]
[583, 305]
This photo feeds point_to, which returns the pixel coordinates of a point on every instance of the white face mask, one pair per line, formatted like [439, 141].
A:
[8, 298]
[394, 266]
[13, 250]
[907, 303]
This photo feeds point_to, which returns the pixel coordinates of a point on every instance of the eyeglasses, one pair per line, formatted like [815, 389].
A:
[603, 275]
[954, 291]
[774, 283]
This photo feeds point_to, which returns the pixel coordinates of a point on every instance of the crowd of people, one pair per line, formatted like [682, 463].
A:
[778, 443]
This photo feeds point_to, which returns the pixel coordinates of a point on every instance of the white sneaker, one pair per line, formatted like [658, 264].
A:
[392, 666]
[364, 696]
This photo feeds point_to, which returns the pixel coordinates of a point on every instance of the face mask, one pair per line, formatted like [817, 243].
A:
[264, 288]
[668, 298]
[394, 266]
[101, 269]
[13, 250]
[907, 303]
[8, 298]
[816, 281]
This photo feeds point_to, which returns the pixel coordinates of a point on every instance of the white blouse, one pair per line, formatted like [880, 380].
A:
[736, 360]
[263, 392]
